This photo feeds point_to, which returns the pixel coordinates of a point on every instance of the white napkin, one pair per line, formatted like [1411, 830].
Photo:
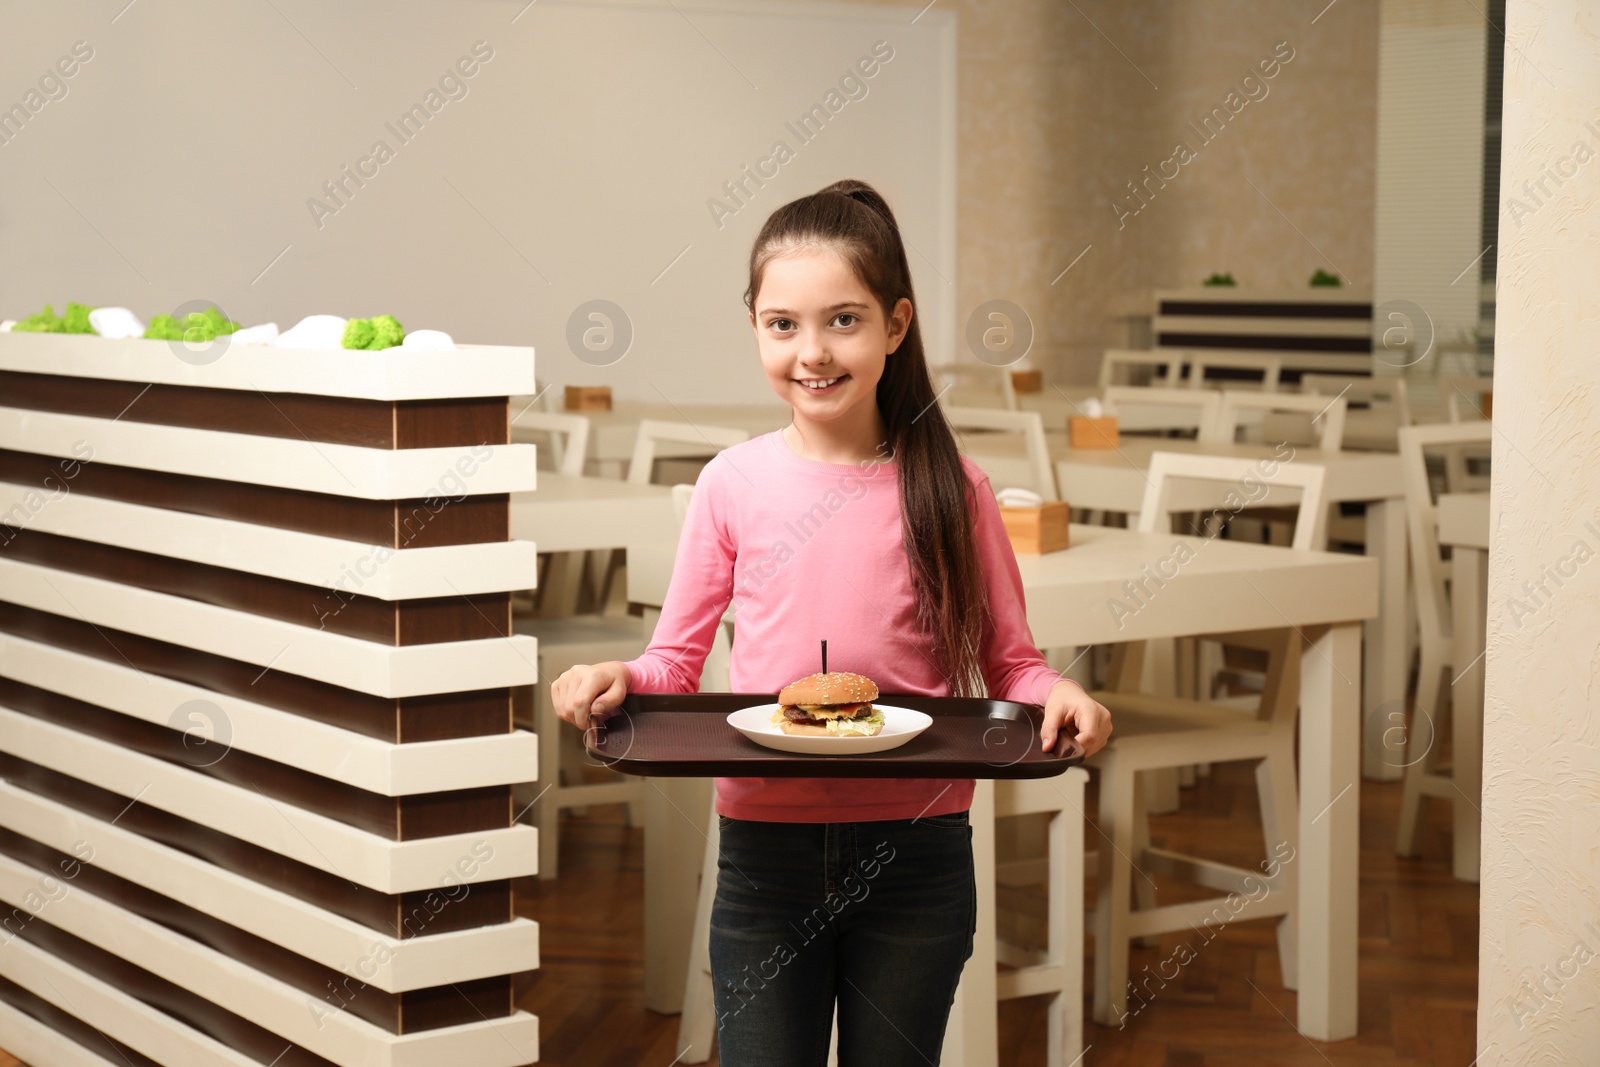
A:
[1019, 498]
[429, 341]
[116, 323]
[313, 331]
[1092, 408]
[265, 334]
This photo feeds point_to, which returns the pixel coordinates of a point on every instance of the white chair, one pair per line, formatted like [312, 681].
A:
[973, 382]
[1466, 399]
[1384, 395]
[1029, 424]
[1269, 367]
[1160, 363]
[1152, 408]
[568, 437]
[1244, 408]
[1058, 969]
[1155, 733]
[1423, 775]
[606, 575]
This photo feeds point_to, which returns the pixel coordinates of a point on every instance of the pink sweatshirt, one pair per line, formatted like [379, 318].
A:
[807, 550]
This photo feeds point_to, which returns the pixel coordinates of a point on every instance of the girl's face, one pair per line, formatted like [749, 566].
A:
[822, 335]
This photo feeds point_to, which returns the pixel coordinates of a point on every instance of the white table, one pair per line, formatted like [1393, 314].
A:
[1464, 526]
[1114, 480]
[566, 514]
[576, 515]
[1226, 586]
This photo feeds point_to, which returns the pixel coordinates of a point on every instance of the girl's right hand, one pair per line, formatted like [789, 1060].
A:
[585, 695]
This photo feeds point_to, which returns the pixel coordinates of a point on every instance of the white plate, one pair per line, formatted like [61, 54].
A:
[899, 726]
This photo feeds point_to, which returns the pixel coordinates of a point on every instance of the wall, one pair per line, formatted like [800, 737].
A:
[1061, 105]
[1539, 948]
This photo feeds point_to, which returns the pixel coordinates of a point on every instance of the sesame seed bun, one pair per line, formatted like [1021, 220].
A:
[837, 687]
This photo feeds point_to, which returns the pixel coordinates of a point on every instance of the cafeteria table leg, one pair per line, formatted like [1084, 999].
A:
[675, 812]
[1386, 660]
[1329, 849]
[1468, 601]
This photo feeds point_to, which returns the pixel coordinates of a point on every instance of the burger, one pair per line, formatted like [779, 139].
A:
[829, 705]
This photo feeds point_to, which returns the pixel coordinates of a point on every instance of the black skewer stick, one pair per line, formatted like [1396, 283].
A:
[824, 655]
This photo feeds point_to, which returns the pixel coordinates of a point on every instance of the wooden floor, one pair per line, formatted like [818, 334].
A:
[1418, 970]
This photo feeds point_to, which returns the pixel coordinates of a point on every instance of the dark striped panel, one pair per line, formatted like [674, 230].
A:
[398, 1013]
[1265, 309]
[417, 523]
[71, 1026]
[189, 1008]
[387, 622]
[434, 717]
[414, 914]
[300, 417]
[406, 818]
[1270, 343]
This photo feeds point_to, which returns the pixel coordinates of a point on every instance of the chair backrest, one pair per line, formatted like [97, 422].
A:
[1378, 390]
[981, 376]
[1422, 515]
[1327, 415]
[1154, 408]
[681, 495]
[1244, 475]
[652, 431]
[1030, 424]
[1463, 397]
[569, 437]
[714, 673]
[1270, 368]
[1161, 364]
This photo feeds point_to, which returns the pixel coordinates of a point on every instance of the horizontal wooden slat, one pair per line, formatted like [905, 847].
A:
[240, 725]
[389, 374]
[428, 954]
[340, 470]
[369, 569]
[401, 720]
[450, 617]
[409, 524]
[367, 666]
[363, 858]
[403, 915]
[26, 864]
[298, 416]
[395, 818]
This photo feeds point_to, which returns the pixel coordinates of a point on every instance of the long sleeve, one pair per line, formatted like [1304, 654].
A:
[1012, 664]
[701, 588]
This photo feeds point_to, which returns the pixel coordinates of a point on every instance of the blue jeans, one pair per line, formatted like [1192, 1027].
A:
[879, 915]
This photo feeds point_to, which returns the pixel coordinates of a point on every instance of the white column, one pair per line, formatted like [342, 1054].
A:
[1539, 932]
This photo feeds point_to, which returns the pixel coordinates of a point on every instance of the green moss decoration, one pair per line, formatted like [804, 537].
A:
[378, 332]
[197, 326]
[1220, 279]
[76, 320]
[1322, 277]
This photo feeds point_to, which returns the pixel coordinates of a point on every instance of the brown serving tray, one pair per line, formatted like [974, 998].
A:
[686, 735]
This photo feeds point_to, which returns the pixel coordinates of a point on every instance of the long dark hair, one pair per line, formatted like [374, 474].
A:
[936, 505]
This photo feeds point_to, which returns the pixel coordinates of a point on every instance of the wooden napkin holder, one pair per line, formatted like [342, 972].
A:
[588, 398]
[1027, 381]
[1086, 431]
[1036, 531]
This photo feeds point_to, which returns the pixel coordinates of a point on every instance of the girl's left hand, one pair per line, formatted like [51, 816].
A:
[1068, 709]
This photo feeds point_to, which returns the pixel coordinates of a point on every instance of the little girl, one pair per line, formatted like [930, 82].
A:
[860, 523]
